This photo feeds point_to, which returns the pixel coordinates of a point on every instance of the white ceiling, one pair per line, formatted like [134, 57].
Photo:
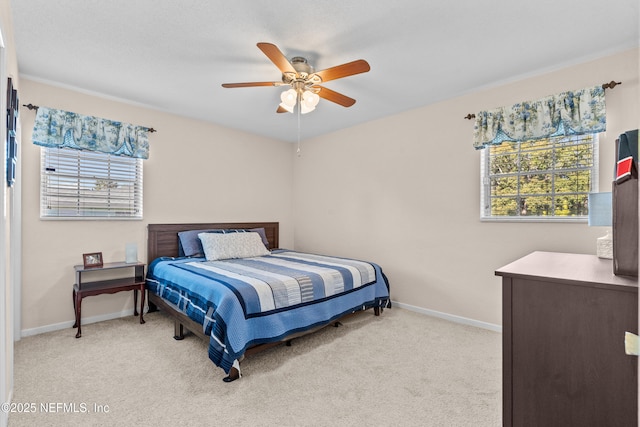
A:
[174, 55]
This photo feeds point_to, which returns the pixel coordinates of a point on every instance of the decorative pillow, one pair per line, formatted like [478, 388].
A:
[189, 243]
[218, 246]
[263, 235]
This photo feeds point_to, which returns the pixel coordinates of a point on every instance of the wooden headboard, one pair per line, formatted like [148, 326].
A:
[162, 239]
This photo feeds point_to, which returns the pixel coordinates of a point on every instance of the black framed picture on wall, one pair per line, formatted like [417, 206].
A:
[12, 123]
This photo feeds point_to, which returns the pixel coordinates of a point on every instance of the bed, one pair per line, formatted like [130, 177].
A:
[232, 285]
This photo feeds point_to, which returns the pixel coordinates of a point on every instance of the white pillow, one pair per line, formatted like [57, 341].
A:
[219, 246]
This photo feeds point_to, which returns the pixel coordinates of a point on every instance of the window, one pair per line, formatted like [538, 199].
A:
[542, 179]
[89, 184]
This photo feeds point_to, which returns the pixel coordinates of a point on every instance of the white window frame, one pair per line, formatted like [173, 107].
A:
[80, 184]
[485, 190]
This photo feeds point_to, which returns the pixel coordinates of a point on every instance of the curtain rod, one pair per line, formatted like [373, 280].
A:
[609, 85]
[35, 107]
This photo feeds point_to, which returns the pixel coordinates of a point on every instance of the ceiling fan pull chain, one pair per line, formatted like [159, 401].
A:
[299, 108]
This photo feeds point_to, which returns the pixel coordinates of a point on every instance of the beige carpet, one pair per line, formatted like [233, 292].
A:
[399, 369]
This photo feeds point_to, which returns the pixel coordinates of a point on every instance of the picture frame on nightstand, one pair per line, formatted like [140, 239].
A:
[92, 260]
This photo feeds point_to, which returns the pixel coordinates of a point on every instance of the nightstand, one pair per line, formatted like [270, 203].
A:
[108, 280]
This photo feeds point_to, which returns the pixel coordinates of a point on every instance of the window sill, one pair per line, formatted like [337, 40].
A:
[90, 218]
[573, 220]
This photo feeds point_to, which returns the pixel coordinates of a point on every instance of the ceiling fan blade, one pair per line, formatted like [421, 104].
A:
[344, 70]
[333, 96]
[251, 84]
[277, 57]
[281, 110]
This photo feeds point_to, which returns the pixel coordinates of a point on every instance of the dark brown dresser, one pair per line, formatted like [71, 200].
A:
[564, 362]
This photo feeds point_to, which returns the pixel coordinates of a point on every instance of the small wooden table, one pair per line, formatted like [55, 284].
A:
[84, 288]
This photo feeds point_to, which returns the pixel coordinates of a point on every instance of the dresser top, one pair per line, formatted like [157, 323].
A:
[580, 269]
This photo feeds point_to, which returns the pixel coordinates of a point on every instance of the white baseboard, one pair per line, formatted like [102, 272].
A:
[69, 324]
[450, 317]
[125, 313]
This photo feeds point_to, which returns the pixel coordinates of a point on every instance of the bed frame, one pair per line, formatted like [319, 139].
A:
[162, 240]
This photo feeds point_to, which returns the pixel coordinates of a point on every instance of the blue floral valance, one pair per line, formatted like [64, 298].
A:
[58, 128]
[567, 113]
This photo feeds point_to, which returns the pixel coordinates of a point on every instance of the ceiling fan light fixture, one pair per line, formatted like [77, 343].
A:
[286, 107]
[289, 98]
[308, 102]
[304, 108]
[309, 98]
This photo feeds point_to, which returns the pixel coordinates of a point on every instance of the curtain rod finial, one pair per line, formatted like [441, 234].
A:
[30, 106]
[470, 116]
[611, 85]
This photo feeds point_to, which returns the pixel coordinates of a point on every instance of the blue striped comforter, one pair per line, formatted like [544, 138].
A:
[244, 302]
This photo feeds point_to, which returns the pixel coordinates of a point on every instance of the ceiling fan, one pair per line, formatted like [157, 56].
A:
[305, 81]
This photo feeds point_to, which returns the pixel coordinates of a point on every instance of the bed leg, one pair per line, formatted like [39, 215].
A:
[178, 331]
[234, 374]
[377, 311]
[152, 307]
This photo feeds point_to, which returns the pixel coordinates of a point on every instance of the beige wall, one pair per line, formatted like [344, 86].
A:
[196, 172]
[401, 191]
[404, 191]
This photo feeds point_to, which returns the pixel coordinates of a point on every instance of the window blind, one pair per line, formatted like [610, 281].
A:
[542, 179]
[89, 184]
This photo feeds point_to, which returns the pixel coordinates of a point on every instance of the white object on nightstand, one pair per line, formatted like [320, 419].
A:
[604, 248]
[131, 253]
